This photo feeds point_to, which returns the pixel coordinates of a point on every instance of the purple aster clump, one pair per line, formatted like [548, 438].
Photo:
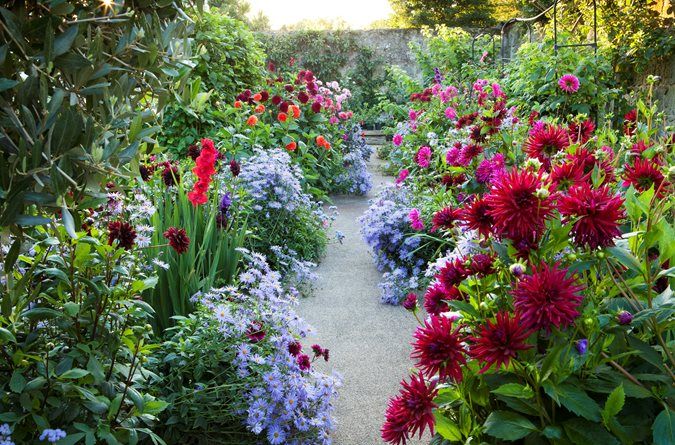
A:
[6, 435]
[356, 178]
[282, 397]
[52, 436]
[386, 229]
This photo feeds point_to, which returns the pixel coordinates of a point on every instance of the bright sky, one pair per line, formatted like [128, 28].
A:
[358, 13]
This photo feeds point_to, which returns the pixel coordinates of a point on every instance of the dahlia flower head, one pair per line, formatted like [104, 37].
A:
[569, 83]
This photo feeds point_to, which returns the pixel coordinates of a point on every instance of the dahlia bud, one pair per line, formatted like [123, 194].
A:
[533, 163]
[572, 257]
[582, 346]
[542, 193]
[671, 173]
[624, 318]
[517, 269]
[410, 302]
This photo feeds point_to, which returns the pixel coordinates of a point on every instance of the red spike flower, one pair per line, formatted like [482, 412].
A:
[204, 169]
[545, 141]
[548, 297]
[498, 343]
[597, 214]
[438, 348]
[518, 212]
[410, 412]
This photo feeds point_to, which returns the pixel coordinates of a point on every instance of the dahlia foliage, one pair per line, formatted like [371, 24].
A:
[548, 294]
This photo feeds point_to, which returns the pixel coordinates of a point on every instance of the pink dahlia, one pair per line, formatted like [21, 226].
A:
[519, 213]
[397, 140]
[596, 213]
[402, 175]
[415, 220]
[498, 343]
[438, 348]
[423, 156]
[547, 297]
[569, 83]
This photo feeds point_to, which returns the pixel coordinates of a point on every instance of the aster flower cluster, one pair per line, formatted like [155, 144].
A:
[5, 435]
[285, 400]
[386, 229]
[356, 179]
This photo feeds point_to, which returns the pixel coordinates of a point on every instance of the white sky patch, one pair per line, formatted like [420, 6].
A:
[358, 13]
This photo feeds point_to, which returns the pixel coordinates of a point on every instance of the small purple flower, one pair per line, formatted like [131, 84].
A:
[225, 203]
[52, 436]
[624, 318]
[582, 346]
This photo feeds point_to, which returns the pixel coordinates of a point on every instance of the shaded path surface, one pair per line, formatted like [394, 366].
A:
[369, 342]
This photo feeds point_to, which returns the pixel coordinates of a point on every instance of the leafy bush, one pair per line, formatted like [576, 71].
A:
[74, 78]
[75, 340]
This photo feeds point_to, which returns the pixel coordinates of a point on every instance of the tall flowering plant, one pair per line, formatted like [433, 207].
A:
[555, 323]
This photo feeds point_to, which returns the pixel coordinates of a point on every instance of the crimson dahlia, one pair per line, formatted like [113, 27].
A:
[499, 342]
[123, 232]
[438, 348]
[477, 216]
[597, 214]
[547, 297]
[453, 273]
[518, 212]
[178, 239]
[411, 411]
[436, 296]
[444, 219]
[545, 141]
[643, 174]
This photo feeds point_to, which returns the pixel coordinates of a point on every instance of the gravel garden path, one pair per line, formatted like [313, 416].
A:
[369, 342]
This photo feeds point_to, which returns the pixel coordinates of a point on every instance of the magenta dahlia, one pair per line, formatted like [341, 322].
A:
[436, 297]
[569, 83]
[548, 297]
[498, 343]
[411, 411]
[643, 174]
[438, 348]
[476, 216]
[597, 214]
[519, 213]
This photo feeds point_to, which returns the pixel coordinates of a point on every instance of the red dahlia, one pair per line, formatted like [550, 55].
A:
[580, 133]
[547, 297]
[597, 214]
[499, 342]
[518, 212]
[123, 232]
[410, 412]
[588, 162]
[564, 176]
[546, 141]
[444, 219]
[178, 239]
[453, 273]
[477, 216]
[436, 296]
[643, 174]
[438, 348]
[170, 175]
[482, 264]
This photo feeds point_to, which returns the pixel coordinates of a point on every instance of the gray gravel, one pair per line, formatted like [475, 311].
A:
[369, 342]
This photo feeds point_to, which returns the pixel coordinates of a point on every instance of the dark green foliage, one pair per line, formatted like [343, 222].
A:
[472, 13]
[79, 89]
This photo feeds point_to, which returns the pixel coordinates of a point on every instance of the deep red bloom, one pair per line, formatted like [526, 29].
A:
[546, 141]
[123, 232]
[588, 162]
[518, 212]
[294, 348]
[170, 175]
[255, 332]
[477, 216]
[410, 412]
[303, 97]
[482, 264]
[580, 133]
[597, 214]
[469, 152]
[630, 122]
[235, 168]
[304, 362]
[316, 107]
[643, 174]
[453, 273]
[410, 302]
[436, 296]
[178, 239]
[444, 219]
[438, 348]
[317, 350]
[193, 151]
[499, 342]
[276, 100]
[547, 297]
[564, 176]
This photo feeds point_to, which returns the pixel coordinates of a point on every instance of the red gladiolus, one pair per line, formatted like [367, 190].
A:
[499, 342]
[178, 239]
[204, 170]
[547, 297]
[410, 412]
[519, 213]
[438, 348]
[596, 213]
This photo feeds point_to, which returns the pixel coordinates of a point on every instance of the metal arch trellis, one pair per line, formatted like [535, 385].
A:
[593, 44]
